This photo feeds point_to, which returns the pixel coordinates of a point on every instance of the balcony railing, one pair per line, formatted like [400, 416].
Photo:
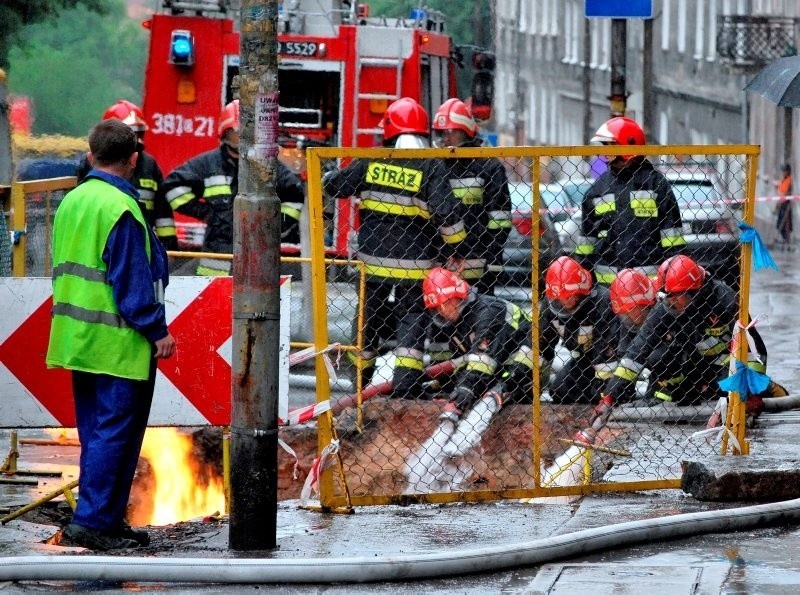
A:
[749, 41]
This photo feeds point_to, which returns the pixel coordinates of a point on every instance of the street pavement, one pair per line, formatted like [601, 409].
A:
[760, 559]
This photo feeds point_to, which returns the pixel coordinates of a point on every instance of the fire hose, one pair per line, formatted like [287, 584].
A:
[400, 567]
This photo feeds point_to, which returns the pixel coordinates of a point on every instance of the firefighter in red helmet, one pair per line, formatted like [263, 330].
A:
[630, 217]
[492, 338]
[577, 312]
[684, 342]
[147, 177]
[204, 188]
[481, 185]
[410, 221]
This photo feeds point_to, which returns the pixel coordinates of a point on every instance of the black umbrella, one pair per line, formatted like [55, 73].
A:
[779, 82]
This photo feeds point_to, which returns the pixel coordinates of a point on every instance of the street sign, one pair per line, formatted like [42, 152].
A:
[619, 9]
[193, 387]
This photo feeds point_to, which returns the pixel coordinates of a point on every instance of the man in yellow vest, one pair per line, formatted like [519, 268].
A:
[109, 327]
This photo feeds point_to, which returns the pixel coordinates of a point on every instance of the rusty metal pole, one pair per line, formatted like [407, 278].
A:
[256, 289]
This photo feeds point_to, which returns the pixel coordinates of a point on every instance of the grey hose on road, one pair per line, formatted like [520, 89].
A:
[400, 567]
[675, 413]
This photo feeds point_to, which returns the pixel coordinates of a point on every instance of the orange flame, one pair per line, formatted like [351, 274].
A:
[183, 487]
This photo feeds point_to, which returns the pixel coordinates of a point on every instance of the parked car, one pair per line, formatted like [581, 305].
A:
[517, 249]
[710, 221]
[565, 209]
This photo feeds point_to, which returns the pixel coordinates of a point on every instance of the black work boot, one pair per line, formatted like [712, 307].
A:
[93, 539]
[140, 536]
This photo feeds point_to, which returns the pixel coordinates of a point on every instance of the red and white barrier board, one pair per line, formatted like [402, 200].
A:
[192, 388]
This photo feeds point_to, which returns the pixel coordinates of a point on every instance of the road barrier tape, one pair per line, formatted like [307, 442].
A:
[320, 464]
[305, 414]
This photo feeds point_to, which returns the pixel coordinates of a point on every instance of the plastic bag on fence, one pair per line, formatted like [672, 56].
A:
[762, 259]
[745, 381]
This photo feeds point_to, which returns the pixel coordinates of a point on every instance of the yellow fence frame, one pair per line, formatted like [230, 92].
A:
[315, 155]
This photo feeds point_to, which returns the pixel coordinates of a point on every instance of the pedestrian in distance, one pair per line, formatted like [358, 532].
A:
[410, 222]
[204, 188]
[109, 329]
[684, 341]
[630, 217]
[577, 313]
[492, 340]
[783, 210]
[147, 177]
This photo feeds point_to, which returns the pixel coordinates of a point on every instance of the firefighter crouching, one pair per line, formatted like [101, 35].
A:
[481, 185]
[685, 343]
[630, 218]
[147, 177]
[204, 188]
[492, 339]
[407, 214]
[577, 312]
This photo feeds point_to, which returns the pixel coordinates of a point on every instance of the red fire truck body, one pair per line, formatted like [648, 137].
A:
[338, 71]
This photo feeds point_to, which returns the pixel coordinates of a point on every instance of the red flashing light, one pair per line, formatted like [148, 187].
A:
[423, 39]
[148, 24]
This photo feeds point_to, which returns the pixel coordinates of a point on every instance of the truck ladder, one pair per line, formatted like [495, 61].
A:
[363, 62]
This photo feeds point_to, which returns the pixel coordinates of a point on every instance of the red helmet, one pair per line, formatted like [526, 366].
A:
[566, 278]
[620, 131]
[441, 285]
[679, 274]
[405, 116]
[631, 288]
[229, 118]
[129, 113]
[453, 114]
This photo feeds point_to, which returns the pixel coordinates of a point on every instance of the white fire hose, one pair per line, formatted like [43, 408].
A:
[365, 569]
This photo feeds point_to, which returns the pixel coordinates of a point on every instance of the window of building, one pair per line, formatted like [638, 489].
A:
[573, 33]
[682, 26]
[605, 44]
[663, 128]
[712, 31]
[665, 24]
[595, 33]
[533, 112]
[699, 30]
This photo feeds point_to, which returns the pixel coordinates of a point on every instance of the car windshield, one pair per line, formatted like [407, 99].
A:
[522, 197]
[695, 193]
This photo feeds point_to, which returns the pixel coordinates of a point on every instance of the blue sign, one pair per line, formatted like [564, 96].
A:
[619, 9]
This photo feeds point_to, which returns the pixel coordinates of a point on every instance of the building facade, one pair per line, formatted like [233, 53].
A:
[554, 70]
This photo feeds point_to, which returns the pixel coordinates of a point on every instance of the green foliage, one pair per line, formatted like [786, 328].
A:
[16, 14]
[75, 68]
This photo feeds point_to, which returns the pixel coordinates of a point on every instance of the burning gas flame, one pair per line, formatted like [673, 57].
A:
[183, 487]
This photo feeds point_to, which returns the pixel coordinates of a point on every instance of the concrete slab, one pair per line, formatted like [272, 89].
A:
[754, 478]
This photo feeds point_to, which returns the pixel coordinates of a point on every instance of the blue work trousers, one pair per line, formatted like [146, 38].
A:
[111, 414]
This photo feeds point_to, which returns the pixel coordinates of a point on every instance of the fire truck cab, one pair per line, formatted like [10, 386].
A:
[339, 69]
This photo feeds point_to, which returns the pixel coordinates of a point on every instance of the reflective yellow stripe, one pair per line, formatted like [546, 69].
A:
[166, 231]
[217, 190]
[395, 273]
[366, 362]
[757, 367]
[605, 278]
[290, 212]
[498, 224]
[603, 374]
[644, 207]
[394, 209]
[715, 350]
[455, 238]
[469, 196]
[673, 242]
[663, 396]
[181, 200]
[672, 381]
[522, 358]
[605, 207]
[584, 249]
[479, 367]
[625, 373]
[412, 363]
[209, 272]
[441, 356]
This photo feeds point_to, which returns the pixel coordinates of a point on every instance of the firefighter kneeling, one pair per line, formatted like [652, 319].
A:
[492, 336]
[684, 341]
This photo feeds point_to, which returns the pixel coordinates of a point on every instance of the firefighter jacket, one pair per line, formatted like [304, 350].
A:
[481, 185]
[590, 332]
[630, 219]
[88, 332]
[292, 195]
[704, 330]
[149, 183]
[204, 188]
[408, 214]
[491, 334]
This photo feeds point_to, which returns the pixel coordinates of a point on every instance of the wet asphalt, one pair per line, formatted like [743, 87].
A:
[759, 560]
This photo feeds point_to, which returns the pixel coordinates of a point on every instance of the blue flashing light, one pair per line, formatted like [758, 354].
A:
[181, 48]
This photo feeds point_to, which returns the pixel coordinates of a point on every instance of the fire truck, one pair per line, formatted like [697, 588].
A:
[339, 69]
